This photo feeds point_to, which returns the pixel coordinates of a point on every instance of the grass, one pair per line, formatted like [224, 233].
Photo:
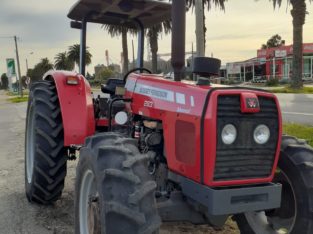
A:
[305, 90]
[18, 99]
[9, 93]
[299, 131]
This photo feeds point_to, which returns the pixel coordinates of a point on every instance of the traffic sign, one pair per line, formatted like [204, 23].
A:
[11, 67]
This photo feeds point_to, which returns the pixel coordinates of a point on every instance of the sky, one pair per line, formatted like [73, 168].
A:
[232, 35]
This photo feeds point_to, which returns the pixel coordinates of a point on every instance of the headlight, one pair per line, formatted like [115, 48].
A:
[261, 134]
[229, 134]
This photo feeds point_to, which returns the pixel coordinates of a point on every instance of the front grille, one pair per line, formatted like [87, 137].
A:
[245, 159]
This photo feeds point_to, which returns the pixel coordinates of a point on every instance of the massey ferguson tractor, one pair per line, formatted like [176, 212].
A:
[155, 149]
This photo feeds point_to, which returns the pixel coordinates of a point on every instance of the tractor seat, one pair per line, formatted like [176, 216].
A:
[111, 85]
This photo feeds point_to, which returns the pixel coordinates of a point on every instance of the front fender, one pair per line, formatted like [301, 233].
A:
[76, 106]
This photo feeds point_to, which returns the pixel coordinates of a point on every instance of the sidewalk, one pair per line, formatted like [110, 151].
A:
[3, 96]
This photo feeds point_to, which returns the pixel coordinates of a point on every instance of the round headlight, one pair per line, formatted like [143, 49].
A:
[261, 134]
[229, 134]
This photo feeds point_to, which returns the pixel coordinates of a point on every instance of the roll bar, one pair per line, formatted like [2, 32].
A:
[83, 38]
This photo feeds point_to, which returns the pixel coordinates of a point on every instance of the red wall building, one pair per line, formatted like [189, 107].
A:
[273, 62]
[282, 58]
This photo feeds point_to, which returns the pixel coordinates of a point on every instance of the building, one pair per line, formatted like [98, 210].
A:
[273, 62]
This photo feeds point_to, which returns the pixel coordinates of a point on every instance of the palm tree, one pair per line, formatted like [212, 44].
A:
[62, 62]
[298, 14]
[74, 55]
[153, 35]
[208, 4]
[116, 30]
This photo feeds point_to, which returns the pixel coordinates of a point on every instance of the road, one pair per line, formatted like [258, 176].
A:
[296, 108]
[18, 216]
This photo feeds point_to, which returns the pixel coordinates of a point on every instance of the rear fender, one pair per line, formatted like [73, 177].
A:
[76, 106]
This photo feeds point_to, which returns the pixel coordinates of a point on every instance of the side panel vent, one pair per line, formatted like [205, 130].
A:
[185, 142]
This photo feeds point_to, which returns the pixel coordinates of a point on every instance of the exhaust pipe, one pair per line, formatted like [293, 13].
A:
[178, 38]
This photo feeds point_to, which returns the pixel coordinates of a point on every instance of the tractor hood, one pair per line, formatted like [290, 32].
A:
[121, 12]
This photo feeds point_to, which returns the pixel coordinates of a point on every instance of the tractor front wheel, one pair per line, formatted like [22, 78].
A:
[45, 159]
[295, 173]
[114, 192]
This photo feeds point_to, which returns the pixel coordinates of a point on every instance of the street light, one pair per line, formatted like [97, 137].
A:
[31, 53]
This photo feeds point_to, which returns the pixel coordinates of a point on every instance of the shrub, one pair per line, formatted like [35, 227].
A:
[272, 82]
[95, 83]
[4, 81]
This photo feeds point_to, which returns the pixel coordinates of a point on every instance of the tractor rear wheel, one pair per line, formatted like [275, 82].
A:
[114, 191]
[45, 159]
[295, 173]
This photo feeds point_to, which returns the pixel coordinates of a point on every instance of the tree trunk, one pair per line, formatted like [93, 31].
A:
[125, 51]
[298, 14]
[154, 50]
[204, 30]
[199, 12]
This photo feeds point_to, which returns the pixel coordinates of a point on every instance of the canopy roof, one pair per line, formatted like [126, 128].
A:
[121, 12]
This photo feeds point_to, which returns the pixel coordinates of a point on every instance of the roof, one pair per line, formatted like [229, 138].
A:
[121, 12]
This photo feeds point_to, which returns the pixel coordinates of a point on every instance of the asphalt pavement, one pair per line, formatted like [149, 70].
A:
[18, 216]
[296, 108]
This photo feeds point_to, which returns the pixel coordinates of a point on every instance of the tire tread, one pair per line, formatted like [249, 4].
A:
[49, 157]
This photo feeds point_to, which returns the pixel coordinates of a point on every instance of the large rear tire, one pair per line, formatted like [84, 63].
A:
[295, 215]
[45, 159]
[114, 192]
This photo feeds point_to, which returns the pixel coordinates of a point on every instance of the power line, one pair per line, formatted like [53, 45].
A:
[6, 37]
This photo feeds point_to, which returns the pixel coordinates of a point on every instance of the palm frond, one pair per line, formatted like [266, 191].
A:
[208, 3]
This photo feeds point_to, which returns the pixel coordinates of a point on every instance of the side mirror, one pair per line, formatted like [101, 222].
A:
[76, 25]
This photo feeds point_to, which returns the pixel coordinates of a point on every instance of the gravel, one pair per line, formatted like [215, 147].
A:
[18, 216]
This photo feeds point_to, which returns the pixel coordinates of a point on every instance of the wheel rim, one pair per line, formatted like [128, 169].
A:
[30, 145]
[272, 222]
[89, 212]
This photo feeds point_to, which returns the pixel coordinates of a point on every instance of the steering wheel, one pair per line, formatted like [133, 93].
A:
[135, 69]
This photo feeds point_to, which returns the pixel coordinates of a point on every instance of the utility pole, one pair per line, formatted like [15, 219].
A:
[199, 12]
[133, 53]
[192, 59]
[18, 68]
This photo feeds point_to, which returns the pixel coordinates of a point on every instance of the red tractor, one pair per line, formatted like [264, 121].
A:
[159, 149]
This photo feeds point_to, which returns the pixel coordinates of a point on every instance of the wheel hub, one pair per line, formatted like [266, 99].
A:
[281, 220]
[89, 208]
[30, 145]
[93, 215]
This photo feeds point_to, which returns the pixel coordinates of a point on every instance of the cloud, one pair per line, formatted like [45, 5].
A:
[43, 28]
[36, 27]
